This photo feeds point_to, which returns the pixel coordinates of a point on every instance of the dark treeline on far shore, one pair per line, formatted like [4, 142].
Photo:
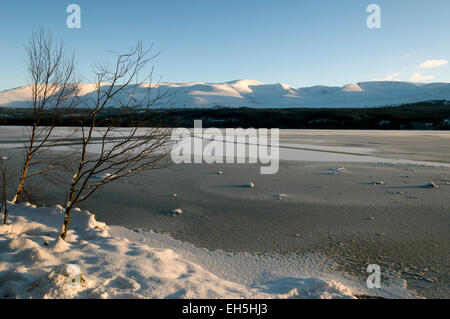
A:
[430, 115]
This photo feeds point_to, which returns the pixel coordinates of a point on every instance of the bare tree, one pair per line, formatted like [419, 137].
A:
[53, 88]
[107, 152]
[5, 180]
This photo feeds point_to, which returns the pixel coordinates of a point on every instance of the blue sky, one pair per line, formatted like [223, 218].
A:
[298, 42]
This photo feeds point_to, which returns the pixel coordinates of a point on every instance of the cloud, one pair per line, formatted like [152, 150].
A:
[390, 77]
[417, 77]
[433, 64]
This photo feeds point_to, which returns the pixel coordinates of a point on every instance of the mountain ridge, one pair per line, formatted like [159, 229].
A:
[251, 93]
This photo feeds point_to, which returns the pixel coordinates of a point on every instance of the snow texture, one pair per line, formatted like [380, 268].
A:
[91, 263]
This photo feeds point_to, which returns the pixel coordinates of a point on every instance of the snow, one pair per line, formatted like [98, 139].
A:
[279, 196]
[177, 211]
[252, 93]
[338, 171]
[103, 176]
[431, 185]
[352, 88]
[249, 185]
[270, 273]
[92, 263]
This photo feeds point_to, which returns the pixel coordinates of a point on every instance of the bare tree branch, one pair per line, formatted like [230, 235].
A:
[110, 153]
[51, 73]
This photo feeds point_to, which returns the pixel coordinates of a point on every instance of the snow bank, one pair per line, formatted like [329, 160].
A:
[93, 264]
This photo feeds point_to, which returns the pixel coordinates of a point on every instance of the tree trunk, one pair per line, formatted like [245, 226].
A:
[66, 223]
[25, 167]
[5, 214]
[5, 201]
[22, 180]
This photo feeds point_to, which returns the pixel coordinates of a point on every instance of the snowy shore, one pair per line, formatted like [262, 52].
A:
[94, 264]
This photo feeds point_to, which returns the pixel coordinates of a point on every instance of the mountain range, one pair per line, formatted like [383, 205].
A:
[250, 93]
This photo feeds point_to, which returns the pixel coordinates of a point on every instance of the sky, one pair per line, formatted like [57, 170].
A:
[298, 42]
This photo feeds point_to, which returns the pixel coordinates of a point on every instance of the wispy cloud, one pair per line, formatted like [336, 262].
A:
[390, 77]
[417, 77]
[433, 64]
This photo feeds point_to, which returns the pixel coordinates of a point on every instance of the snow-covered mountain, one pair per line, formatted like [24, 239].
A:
[260, 95]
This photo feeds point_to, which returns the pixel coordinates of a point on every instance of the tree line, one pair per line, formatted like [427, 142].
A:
[428, 115]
